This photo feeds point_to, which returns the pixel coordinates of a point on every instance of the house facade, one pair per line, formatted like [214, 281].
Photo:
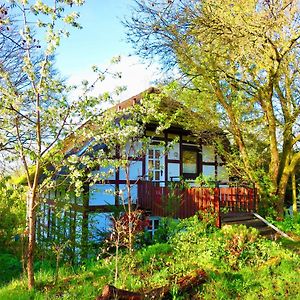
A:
[174, 154]
[186, 158]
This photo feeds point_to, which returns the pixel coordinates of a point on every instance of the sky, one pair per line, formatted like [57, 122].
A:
[103, 37]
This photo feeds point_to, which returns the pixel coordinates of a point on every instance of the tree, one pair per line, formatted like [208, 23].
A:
[11, 61]
[38, 115]
[118, 140]
[12, 214]
[245, 56]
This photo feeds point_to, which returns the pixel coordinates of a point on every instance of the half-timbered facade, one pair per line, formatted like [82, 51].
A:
[186, 159]
[173, 155]
[176, 154]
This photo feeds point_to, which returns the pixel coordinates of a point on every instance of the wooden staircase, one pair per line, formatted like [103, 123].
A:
[250, 220]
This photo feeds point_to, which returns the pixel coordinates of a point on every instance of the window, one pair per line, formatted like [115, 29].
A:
[154, 164]
[153, 225]
[190, 163]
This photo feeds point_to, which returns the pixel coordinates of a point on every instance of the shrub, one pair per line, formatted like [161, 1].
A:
[192, 229]
[167, 228]
[11, 267]
[290, 224]
[239, 244]
[156, 250]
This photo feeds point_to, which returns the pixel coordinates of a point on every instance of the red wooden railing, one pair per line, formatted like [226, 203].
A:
[238, 199]
[184, 203]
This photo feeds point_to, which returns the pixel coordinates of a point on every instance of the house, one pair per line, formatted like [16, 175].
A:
[172, 154]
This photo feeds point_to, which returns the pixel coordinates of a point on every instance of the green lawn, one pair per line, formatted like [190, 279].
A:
[239, 264]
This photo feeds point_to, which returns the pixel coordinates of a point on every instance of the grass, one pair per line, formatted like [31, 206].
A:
[11, 267]
[239, 263]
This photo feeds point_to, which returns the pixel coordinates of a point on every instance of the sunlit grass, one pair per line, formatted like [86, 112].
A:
[239, 265]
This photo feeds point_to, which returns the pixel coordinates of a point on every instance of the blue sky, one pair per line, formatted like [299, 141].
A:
[102, 37]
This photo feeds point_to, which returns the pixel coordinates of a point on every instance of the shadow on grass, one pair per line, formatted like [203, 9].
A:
[11, 268]
[289, 244]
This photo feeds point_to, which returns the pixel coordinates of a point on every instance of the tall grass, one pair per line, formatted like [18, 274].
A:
[240, 265]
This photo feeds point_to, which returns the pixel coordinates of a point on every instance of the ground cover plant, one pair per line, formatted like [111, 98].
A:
[240, 265]
[290, 224]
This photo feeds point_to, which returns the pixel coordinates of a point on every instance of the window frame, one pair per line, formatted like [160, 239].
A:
[198, 160]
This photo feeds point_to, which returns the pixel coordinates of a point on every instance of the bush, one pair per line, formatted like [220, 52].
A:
[239, 244]
[156, 250]
[12, 215]
[290, 224]
[167, 228]
[11, 267]
[192, 229]
[240, 265]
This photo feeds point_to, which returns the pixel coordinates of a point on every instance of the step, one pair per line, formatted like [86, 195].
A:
[236, 213]
[233, 217]
[250, 220]
[249, 223]
[247, 219]
[267, 231]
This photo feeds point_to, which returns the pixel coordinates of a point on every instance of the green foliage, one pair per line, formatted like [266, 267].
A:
[206, 181]
[191, 229]
[239, 244]
[166, 230]
[238, 60]
[290, 224]
[240, 265]
[153, 251]
[10, 267]
[171, 202]
[12, 215]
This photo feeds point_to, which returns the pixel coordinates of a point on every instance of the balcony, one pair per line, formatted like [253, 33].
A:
[180, 202]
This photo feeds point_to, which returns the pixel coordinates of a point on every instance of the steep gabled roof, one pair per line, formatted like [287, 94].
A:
[187, 119]
[135, 99]
[72, 144]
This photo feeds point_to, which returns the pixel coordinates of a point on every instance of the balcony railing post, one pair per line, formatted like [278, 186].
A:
[217, 204]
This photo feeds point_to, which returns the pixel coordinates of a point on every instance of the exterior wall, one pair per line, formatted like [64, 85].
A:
[173, 171]
[99, 224]
[102, 194]
[156, 166]
[60, 225]
[135, 171]
[94, 212]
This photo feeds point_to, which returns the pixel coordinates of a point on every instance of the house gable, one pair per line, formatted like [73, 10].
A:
[171, 154]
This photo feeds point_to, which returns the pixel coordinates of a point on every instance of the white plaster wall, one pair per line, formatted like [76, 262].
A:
[174, 152]
[173, 170]
[124, 193]
[192, 183]
[208, 153]
[133, 149]
[135, 170]
[99, 222]
[102, 194]
[209, 171]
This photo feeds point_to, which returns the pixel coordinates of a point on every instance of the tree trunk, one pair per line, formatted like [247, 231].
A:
[111, 292]
[287, 172]
[184, 284]
[128, 185]
[85, 224]
[281, 191]
[31, 237]
[294, 189]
